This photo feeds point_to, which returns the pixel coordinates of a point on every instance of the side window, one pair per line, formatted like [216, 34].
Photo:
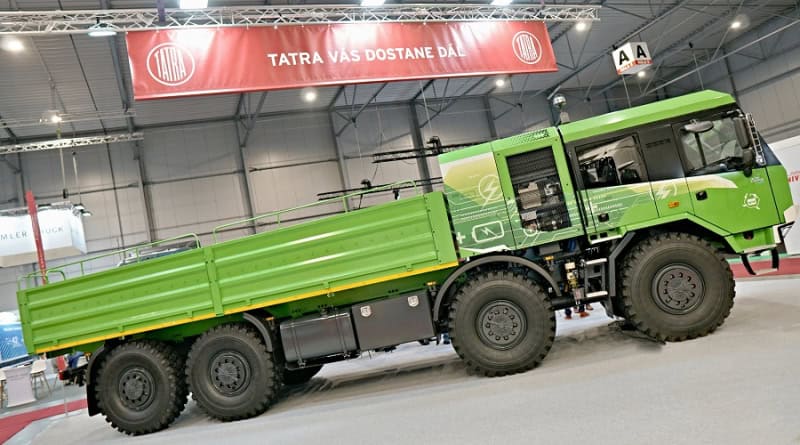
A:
[611, 163]
[716, 150]
[537, 188]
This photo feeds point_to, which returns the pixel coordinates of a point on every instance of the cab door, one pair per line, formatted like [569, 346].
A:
[616, 190]
[720, 191]
[665, 170]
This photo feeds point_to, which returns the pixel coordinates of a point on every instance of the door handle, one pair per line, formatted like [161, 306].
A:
[603, 217]
[701, 196]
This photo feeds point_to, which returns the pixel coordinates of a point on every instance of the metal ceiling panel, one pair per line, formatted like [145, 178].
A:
[150, 112]
[25, 90]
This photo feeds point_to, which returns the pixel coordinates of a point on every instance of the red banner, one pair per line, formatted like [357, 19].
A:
[187, 62]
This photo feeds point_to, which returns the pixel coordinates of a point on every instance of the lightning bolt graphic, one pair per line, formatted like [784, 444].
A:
[486, 231]
[491, 192]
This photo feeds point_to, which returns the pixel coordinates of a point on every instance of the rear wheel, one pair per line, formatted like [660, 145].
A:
[231, 373]
[676, 287]
[300, 376]
[501, 323]
[140, 388]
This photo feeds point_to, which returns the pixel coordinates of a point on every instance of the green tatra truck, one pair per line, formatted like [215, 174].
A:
[635, 209]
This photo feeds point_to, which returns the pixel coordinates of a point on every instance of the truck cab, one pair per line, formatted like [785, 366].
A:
[694, 160]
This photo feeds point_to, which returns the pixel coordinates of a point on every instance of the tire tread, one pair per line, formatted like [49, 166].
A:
[167, 357]
[252, 336]
[635, 255]
[465, 290]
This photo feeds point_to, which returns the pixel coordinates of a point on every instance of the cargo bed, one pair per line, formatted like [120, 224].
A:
[393, 241]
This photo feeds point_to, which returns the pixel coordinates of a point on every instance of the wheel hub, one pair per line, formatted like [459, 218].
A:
[678, 289]
[136, 388]
[230, 373]
[501, 324]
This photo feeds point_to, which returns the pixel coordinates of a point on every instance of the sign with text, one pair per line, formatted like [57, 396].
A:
[62, 236]
[198, 61]
[632, 58]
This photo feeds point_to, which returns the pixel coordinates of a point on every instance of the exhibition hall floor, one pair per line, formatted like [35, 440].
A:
[597, 386]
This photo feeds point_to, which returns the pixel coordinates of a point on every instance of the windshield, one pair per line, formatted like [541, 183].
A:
[717, 148]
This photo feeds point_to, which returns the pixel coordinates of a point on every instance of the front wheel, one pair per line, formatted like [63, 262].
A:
[676, 287]
[501, 323]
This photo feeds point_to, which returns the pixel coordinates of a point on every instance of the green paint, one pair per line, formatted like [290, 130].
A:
[780, 189]
[400, 237]
[654, 112]
[735, 202]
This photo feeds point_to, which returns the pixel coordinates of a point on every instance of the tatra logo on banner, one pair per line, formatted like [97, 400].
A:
[527, 48]
[185, 62]
[170, 64]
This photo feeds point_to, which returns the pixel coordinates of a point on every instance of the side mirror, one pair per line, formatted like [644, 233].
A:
[742, 132]
[748, 161]
[698, 126]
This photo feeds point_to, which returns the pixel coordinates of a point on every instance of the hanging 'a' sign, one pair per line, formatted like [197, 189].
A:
[632, 58]
[198, 61]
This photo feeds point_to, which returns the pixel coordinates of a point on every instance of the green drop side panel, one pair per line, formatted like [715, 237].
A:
[388, 242]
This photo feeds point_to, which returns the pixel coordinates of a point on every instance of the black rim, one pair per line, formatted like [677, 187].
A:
[678, 289]
[230, 373]
[136, 388]
[501, 324]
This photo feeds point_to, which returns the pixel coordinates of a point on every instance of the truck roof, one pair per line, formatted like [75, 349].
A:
[605, 123]
[656, 111]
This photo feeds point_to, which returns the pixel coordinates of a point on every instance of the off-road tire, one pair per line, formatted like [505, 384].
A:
[231, 373]
[299, 376]
[501, 294]
[140, 387]
[677, 307]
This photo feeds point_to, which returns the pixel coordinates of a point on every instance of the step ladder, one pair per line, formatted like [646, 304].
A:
[596, 269]
[757, 147]
[775, 263]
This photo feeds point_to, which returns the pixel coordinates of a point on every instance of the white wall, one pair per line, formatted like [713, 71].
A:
[788, 151]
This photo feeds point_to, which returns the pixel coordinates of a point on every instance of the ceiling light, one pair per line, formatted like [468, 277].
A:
[641, 74]
[13, 45]
[309, 94]
[500, 82]
[193, 4]
[51, 117]
[501, 2]
[581, 26]
[102, 30]
[736, 24]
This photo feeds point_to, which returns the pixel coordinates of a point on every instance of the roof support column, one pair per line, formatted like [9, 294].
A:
[419, 146]
[247, 186]
[487, 105]
[728, 70]
[141, 176]
[344, 174]
[144, 194]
